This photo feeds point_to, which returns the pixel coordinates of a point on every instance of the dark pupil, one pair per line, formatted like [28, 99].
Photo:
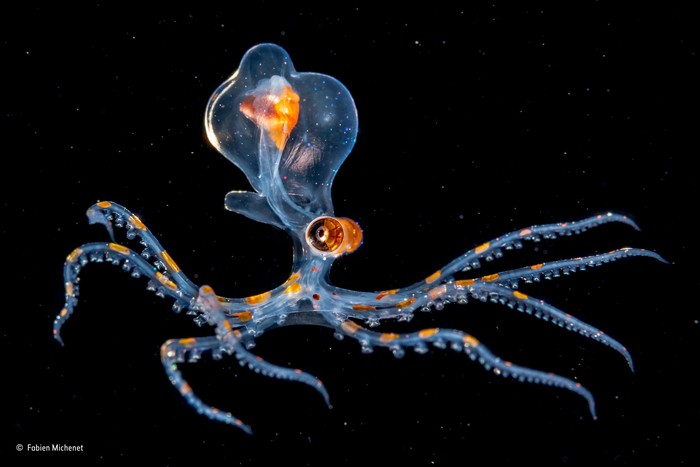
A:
[321, 233]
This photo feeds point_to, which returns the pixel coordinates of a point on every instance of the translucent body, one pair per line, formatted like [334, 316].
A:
[293, 173]
[289, 132]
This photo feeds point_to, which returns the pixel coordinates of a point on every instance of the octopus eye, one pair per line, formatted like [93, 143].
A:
[333, 235]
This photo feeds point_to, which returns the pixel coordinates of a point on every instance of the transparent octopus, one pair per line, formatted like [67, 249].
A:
[289, 132]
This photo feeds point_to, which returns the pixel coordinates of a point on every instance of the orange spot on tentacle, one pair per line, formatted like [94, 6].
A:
[257, 299]
[244, 316]
[537, 266]
[350, 327]
[405, 303]
[490, 277]
[293, 278]
[206, 290]
[136, 222]
[425, 333]
[388, 337]
[293, 288]
[464, 283]
[433, 277]
[187, 341]
[104, 204]
[437, 292]
[470, 340]
[363, 307]
[169, 262]
[163, 279]
[119, 249]
[70, 290]
[74, 255]
[481, 248]
[63, 313]
[520, 295]
[386, 293]
[525, 232]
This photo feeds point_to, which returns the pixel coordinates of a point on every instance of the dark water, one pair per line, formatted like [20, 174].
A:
[473, 123]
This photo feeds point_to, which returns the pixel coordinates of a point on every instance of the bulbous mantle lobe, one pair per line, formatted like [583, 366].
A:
[289, 132]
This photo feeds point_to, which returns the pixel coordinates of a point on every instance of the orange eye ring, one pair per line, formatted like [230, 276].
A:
[333, 235]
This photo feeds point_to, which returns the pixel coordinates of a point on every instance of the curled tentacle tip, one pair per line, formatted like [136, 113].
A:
[97, 217]
[628, 358]
[626, 220]
[591, 408]
[57, 336]
[231, 420]
[660, 258]
[326, 398]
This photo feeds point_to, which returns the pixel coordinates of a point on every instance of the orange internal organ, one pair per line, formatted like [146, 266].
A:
[276, 111]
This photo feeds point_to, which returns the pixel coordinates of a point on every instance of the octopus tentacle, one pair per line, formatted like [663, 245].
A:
[461, 290]
[173, 352]
[130, 261]
[554, 269]
[210, 305]
[494, 249]
[546, 312]
[112, 214]
[459, 341]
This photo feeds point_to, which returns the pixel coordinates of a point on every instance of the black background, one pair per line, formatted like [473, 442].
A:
[473, 122]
